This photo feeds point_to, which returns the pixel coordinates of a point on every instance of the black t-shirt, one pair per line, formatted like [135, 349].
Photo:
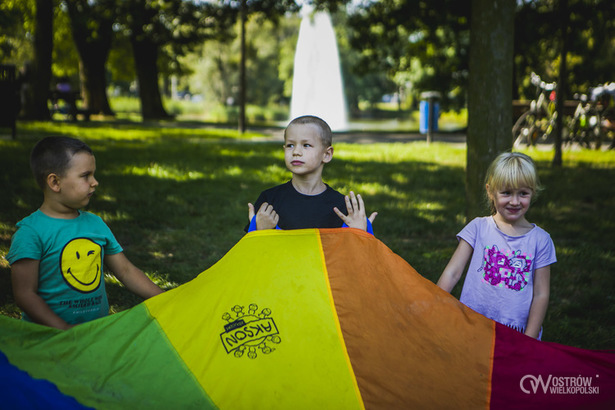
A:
[299, 211]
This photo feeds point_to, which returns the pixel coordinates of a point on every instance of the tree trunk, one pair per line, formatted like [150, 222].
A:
[93, 78]
[562, 86]
[242, 69]
[92, 33]
[146, 63]
[489, 94]
[36, 103]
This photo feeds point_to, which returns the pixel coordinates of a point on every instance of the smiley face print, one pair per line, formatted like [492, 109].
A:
[81, 265]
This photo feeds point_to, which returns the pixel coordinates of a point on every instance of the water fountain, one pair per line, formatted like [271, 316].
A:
[317, 78]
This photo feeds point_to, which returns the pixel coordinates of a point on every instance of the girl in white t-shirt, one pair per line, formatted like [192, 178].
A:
[510, 258]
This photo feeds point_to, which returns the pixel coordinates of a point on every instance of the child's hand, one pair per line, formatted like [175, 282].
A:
[266, 217]
[356, 217]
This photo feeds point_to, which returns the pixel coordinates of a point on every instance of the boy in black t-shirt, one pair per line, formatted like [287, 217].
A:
[306, 201]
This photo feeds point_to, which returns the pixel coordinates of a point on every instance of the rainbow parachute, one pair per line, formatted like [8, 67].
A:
[305, 319]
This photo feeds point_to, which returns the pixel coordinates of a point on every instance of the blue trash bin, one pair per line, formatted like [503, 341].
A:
[424, 107]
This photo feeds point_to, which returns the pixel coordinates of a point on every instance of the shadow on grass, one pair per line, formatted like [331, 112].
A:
[178, 204]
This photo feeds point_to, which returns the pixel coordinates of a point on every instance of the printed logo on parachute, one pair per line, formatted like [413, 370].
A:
[249, 332]
[531, 384]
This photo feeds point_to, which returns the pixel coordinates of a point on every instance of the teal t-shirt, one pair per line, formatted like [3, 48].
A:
[71, 253]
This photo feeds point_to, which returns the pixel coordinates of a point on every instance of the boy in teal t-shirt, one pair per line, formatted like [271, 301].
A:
[57, 253]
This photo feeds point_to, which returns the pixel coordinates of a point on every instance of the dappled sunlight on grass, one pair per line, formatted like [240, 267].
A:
[105, 197]
[368, 189]
[400, 152]
[114, 216]
[232, 171]
[249, 151]
[131, 131]
[429, 217]
[576, 157]
[429, 206]
[164, 172]
[176, 200]
[164, 283]
[5, 227]
[400, 178]
[275, 172]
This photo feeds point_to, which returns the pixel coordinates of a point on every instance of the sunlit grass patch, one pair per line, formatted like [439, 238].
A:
[163, 172]
[113, 216]
[437, 152]
[176, 200]
[96, 131]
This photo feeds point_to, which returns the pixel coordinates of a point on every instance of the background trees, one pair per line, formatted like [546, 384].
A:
[405, 46]
[462, 48]
[538, 41]
[164, 30]
[489, 94]
[91, 24]
[421, 44]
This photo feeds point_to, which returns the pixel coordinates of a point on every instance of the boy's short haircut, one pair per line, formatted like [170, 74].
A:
[326, 135]
[52, 155]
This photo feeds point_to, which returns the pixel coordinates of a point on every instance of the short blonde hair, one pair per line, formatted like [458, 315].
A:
[511, 170]
[326, 135]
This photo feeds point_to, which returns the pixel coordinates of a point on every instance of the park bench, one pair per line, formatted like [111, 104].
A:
[69, 108]
[10, 103]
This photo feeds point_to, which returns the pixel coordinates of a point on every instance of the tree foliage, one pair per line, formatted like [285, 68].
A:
[591, 48]
[16, 26]
[385, 45]
[427, 40]
[160, 31]
[91, 25]
[489, 94]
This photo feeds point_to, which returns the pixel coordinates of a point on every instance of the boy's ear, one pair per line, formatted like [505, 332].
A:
[328, 154]
[53, 182]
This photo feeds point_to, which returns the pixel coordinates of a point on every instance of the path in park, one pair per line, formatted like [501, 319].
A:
[371, 137]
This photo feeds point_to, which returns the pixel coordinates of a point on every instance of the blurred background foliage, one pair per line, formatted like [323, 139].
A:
[391, 50]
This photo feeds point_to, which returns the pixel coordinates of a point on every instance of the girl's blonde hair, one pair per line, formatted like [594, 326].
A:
[511, 170]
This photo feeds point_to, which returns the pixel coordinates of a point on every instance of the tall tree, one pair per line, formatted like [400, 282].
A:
[162, 30]
[428, 40]
[242, 67]
[562, 85]
[273, 10]
[146, 37]
[538, 42]
[489, 93]
[16, 21]
[91, 25]
[40, 75]
[434, 36]
[570, 41]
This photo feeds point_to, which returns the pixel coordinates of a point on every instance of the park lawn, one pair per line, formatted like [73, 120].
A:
[176, 198]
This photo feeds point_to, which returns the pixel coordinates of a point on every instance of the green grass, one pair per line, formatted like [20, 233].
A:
[129, 108]
[176, 197]
[383, 117]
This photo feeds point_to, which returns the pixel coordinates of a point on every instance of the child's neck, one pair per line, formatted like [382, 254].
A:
[59, 212]
[308, 186]
[516, 228]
